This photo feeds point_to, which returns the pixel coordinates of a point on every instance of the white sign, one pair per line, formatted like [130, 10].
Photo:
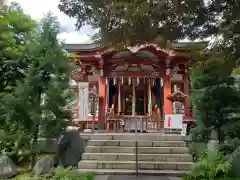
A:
[173, 121]
[83, 101]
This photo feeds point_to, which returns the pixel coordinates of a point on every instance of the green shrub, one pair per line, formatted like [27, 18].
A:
[15, 146]
[196, 149]
[60, 174]
[71, 174]
[229, 146]
[212, 165]
[200, 134]
[233, 129]
[236, 163]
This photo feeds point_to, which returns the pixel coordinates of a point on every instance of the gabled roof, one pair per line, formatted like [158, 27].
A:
[178, 95]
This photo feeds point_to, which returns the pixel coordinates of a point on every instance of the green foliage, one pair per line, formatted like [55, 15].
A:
[196, 149]
[137, 21]
[60, 174]
[200, 134]
[71, 174]
[35, 74]
[211, 165]
[232, 129]
[213, 94]
[16, 35]
[236, 163]
[229, 146]
[132, 22]
[15, 146]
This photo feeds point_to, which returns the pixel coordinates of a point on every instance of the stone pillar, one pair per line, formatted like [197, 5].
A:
[102, 100]
[167, 104]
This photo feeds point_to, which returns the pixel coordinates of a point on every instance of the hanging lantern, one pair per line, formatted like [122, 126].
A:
[129, 81]
[138, 81]
[122, 80]
[114, 81]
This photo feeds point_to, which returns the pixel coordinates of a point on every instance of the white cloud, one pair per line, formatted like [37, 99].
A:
[37, 8]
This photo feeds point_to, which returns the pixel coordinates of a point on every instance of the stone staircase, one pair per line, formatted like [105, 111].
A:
[158, 154]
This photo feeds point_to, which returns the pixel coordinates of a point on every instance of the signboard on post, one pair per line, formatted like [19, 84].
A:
[173, 121]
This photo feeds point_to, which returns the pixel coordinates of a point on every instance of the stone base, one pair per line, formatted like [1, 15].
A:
[88, 130]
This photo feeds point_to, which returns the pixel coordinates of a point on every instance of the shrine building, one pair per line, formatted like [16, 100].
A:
[133, 82]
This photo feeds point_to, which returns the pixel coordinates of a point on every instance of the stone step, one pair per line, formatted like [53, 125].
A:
[141, 157]
[146, 165]
[131, 143]
[141, 150]
[131, 136]
[171, 173]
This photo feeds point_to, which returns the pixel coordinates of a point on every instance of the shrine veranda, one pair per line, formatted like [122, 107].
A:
[131, 82]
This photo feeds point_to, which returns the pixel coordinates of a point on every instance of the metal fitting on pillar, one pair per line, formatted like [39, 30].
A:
[138, 80]
[129, 81]
[168, 71]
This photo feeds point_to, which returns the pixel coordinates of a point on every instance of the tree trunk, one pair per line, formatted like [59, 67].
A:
[37, 103]
[34, 147]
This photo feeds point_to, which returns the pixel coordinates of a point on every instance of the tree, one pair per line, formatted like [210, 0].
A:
[17, 31]
[131, 22]
[39, 100]
[213, 95]
[139, 21]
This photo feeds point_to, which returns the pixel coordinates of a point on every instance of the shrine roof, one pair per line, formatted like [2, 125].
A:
[95, 47]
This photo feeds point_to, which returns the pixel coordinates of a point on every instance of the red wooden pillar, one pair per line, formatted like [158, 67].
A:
[102, 100]
[167, 104]
[186, 91]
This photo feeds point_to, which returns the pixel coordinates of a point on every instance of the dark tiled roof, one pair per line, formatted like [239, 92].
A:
[91, 47]
[87, 47]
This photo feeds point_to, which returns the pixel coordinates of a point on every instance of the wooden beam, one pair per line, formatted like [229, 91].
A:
[133, 61]
[132, 74]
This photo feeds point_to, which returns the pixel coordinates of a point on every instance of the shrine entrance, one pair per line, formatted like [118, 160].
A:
[140, 103]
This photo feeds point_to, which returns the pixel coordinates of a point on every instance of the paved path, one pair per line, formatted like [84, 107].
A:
[129, 177]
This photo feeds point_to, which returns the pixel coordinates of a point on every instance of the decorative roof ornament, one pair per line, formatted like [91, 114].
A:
[135, 49]
[177, 95]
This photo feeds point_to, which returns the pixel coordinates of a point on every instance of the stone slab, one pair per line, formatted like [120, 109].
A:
[131, 143]
[146, 165]
[141, 157]
[141, 150]
[167, 173]
[141, 177]
[131, 136]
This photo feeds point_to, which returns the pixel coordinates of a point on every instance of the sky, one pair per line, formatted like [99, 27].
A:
[37, 8]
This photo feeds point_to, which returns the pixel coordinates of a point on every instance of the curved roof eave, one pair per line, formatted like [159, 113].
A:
[95, 47]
